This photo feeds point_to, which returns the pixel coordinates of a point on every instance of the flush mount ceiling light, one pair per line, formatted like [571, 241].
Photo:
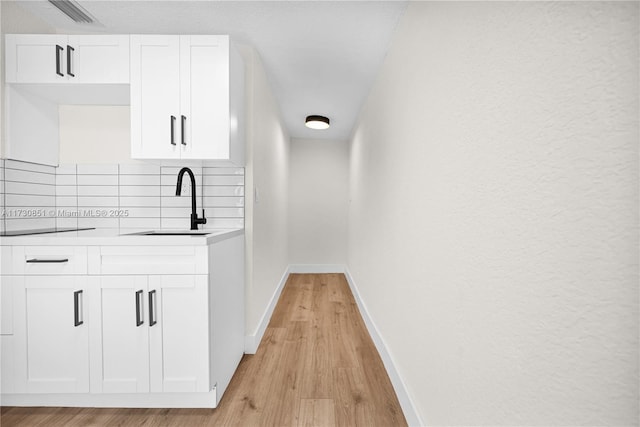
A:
[317, 122]
[73, 10]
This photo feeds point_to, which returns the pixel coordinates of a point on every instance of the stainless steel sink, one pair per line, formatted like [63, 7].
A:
[170, 233]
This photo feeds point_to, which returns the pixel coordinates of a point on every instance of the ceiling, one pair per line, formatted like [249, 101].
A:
[321, 57]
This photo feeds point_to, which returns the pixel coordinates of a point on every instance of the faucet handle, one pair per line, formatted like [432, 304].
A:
[204, 219]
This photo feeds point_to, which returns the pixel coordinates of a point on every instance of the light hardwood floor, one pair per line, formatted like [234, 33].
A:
[316, 366]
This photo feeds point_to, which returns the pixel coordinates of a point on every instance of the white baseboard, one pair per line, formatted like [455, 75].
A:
[114, 400]
[408, 407]
[316, 268]
[251, 342]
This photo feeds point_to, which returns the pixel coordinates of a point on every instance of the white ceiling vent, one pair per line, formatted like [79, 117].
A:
[73, 10]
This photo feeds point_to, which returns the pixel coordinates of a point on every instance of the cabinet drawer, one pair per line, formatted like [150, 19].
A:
[148, 260]
[49, 260]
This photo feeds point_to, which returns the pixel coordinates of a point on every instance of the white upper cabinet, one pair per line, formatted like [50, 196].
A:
[187, 97]
[53, 58]
[155, 96]
[100, 59]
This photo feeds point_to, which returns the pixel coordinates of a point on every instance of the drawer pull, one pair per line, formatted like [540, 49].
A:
[77, 308]
[139, 319]
[44, 261]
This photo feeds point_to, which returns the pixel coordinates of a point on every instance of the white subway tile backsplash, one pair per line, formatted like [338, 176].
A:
[14, 224]
[224, 223]
[62, 222]
[223, 202]
[146, 223]
[171, 180]
[31, 189]
[140, 180]
[223, 180]
[66, 169]
[98, 222]
[182, 201]
[97, 169]
[98, 180]
[222, 171]
[26, 200]
[226, 212]
[139, 190]
[170, 190]
[180, 212]
[16, 175]
[139, 169]
[66, 180]
[98, 190]
[92, 201]
[209, 212]
[176, 223]
[141, 212]
[131, 195]
[66, 200]
[66, 190]
[225, 191]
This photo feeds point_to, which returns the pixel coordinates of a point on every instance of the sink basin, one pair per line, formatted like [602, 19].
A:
[170, 233]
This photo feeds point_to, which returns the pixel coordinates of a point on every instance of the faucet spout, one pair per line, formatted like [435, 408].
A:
[194, 215]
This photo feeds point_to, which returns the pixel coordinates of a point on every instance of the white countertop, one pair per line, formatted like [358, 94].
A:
[117, 237]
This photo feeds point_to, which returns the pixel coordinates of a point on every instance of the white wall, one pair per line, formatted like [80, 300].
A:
[318, 197]
[493, 225]
[95, 134]
[267, 170]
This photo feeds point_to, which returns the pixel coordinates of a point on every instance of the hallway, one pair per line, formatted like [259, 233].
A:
[316, 366]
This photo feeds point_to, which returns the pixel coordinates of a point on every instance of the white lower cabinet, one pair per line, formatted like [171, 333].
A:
[150, 334]
[119, 335]
[120, 326]
[52, 341]
[179, 334]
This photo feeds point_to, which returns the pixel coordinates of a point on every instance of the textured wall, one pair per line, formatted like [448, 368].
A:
[493, 227]
[318, 194]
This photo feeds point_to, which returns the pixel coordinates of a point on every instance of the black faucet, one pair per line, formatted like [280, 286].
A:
[194, 216]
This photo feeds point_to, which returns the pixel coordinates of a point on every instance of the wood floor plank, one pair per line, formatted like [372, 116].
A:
[317, 413]
[316, 365]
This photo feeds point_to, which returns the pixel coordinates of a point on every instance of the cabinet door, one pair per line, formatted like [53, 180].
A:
[155, 97]
[7, 346]
[98, 59]
[119, 335]
[204, 72]
[179, 341]
[35, 58]
[52, 337]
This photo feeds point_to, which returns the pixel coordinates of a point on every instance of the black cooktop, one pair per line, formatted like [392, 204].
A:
[42, 231]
